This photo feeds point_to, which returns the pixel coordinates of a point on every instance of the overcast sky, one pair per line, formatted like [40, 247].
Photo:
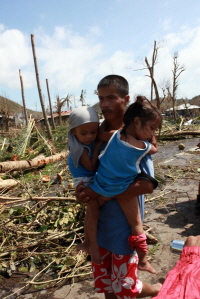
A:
[80, 41]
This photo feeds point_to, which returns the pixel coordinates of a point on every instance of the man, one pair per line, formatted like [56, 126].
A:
[113, 228]
[113, 110]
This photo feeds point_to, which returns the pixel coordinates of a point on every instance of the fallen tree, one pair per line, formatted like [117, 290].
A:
[178, 133]
[12, 200]
[8, 184]
[28, 164]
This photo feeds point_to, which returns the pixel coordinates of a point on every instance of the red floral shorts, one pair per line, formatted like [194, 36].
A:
[117, 274]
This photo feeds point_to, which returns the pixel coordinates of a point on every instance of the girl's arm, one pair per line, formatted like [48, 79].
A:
[154, 146]
[91, 163]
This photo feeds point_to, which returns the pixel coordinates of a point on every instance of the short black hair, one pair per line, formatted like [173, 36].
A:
[119, 82]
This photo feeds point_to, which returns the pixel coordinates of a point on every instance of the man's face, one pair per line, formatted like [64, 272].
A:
[111, 103]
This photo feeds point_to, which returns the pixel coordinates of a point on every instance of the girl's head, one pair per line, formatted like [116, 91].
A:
[84, 123]
[144, 117]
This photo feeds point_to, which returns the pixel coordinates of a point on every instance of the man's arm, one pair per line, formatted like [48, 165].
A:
[138, 187]
[85, 194]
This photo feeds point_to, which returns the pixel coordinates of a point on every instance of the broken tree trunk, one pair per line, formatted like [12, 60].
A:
[28, 164]
[178, 133]
[23, 98]
[50, 106]
[7, 184]
[40, 90]
[5, 200]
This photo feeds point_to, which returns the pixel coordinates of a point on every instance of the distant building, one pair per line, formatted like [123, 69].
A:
[185, 110]
[64, 115]
[13, 121]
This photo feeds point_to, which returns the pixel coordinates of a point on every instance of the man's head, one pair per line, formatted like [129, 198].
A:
[119, 82]
[113, 92]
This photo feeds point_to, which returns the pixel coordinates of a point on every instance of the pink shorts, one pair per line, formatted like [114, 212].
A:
[117, 274]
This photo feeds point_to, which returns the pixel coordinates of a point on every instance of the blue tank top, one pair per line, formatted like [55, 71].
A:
[119, 166]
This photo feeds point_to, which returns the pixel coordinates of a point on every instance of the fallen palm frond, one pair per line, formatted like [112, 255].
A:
[24, 138]
[43, 237]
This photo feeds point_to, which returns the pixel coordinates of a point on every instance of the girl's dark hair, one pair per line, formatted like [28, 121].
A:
[143, 109]
[119, 82]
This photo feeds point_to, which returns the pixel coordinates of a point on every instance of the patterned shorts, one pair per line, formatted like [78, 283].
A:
[117, 274]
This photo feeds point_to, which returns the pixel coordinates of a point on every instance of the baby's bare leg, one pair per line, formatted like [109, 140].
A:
[93, 216]
[131, 209]
[85, 245]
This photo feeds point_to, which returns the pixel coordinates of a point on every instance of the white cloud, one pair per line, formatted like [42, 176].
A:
[72, 62]
[166, 25]
[67, 58]
[187, 44]
[14, 55]
[2, 27]
[95, 30]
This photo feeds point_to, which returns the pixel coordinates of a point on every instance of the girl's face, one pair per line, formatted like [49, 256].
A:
[146, 131]
[86, 133]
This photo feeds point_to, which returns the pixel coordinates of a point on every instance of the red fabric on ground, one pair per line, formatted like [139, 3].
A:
[183, 281]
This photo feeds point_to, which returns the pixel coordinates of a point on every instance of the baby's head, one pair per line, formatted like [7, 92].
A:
[84, 124]
[145, 118]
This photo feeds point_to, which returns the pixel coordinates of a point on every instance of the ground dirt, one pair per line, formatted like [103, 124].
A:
[173, 215]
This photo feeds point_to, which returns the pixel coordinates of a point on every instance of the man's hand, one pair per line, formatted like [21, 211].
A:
[85, 194]
[192, 241]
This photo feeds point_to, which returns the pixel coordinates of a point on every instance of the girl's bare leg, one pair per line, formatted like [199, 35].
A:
[130, 208]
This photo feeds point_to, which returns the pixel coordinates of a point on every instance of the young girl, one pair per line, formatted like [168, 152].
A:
[119, 166]
[82, 162]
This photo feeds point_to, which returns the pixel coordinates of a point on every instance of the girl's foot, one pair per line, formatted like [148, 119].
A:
[146, 267]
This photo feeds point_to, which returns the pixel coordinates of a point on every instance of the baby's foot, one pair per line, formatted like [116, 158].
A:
[156, 288]
[146, 267]
[83, 246]
[95, 254]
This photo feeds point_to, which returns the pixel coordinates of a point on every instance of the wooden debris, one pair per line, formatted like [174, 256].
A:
[28, 164]
[7, 184]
